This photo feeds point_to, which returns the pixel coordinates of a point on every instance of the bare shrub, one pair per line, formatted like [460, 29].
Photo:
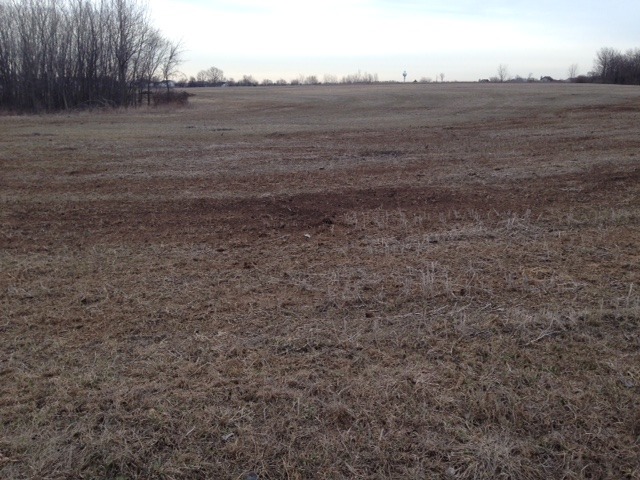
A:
[171, 98]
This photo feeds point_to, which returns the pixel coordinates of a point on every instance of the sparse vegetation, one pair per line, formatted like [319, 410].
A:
[324, 283]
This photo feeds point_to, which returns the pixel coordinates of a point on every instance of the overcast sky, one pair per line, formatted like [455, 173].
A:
[464, 39]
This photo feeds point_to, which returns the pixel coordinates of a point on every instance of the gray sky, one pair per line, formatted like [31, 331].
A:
[464, 39]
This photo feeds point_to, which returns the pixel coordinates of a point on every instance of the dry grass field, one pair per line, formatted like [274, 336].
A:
[381, 282]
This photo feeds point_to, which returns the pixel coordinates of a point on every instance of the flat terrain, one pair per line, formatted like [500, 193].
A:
[380, 282]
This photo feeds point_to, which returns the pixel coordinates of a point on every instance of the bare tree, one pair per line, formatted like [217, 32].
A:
[503, 73]
[360, 77]
[441, 77]
[57, 54]
[150, 61]
[607, 64]
[612, 66]
[170, 61]
[311, 80]
[248, 81]
[211, 76]
[330, 79]
[573, 71]
[632, 66]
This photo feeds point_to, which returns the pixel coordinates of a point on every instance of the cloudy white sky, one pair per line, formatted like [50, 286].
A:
[464, 39]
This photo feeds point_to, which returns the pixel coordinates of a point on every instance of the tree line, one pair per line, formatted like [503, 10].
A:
[613, 66]
[214, 77]
[60, 54]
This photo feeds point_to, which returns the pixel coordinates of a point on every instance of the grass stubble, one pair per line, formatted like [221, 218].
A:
[383, 282]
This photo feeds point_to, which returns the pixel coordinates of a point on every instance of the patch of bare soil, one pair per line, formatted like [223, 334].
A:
[330, 288]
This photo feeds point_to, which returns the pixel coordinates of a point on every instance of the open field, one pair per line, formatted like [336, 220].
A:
[382, 282]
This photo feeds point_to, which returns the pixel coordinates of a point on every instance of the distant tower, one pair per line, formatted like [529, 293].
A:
[404, 74]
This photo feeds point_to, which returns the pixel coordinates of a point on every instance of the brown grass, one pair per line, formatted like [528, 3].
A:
[410, 281]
